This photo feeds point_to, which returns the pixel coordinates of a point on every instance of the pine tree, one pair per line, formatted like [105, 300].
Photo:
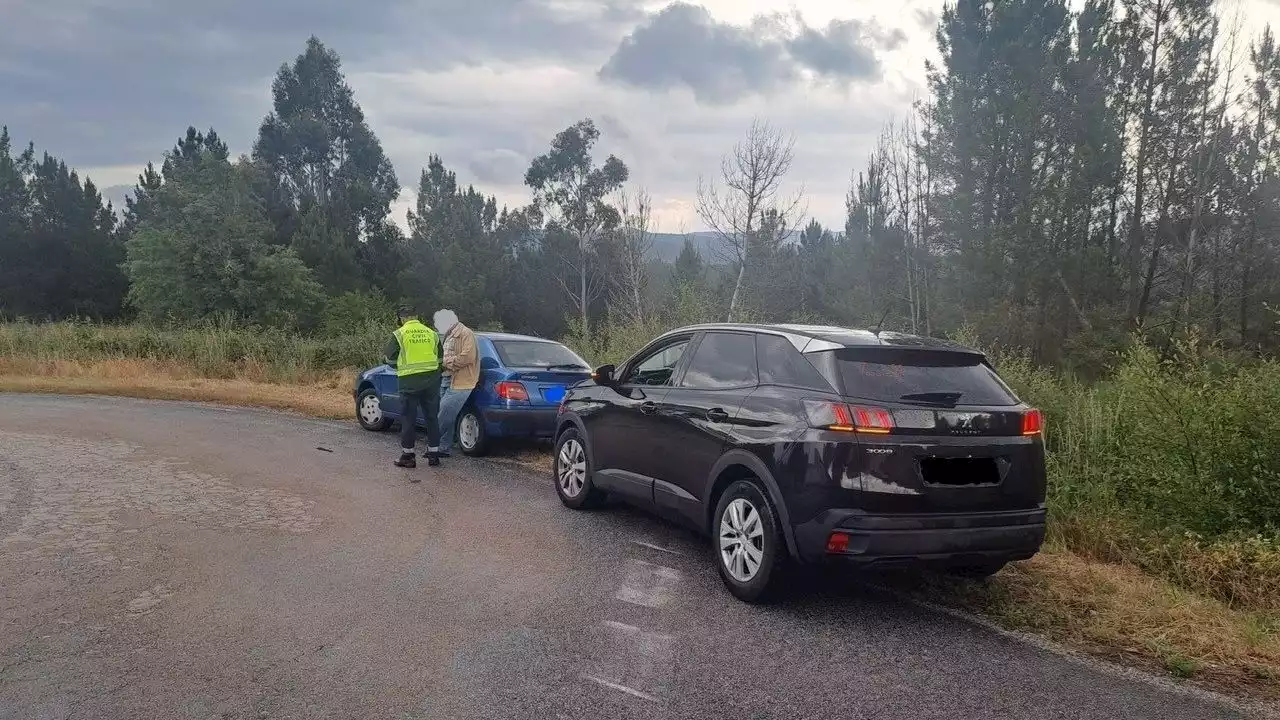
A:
[70, 258]
[15, 225]
[324, 172]
[457, 257]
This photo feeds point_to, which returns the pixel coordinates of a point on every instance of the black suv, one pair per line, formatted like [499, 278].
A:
[792, 443]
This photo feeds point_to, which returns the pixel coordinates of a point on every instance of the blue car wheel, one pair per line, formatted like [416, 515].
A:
[472, 438]
[369, 411]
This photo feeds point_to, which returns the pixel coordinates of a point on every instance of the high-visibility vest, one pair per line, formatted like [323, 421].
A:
[419, 349]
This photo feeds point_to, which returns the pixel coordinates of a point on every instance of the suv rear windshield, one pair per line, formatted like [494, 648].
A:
[920, 377]
[533, 354]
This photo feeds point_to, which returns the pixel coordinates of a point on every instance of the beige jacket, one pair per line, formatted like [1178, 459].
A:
[461, 361]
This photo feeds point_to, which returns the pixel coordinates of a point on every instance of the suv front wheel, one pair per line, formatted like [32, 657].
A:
[750, 549]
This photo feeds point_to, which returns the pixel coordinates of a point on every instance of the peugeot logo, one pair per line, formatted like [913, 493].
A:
[966, 423]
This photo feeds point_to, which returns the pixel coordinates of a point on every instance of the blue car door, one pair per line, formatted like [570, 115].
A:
[388, 387]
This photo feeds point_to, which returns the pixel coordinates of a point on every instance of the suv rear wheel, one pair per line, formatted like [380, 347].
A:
[750, 550]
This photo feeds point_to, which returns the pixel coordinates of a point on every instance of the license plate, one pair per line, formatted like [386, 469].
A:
[553, 394]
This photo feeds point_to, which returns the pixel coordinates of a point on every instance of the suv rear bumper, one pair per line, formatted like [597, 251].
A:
[941, 538]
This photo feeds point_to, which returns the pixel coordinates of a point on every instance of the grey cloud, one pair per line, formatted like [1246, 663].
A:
[498, 166]
[683, 46]
[115, 83]
[836, 52]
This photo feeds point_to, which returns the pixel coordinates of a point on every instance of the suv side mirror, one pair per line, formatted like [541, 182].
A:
[603, 375]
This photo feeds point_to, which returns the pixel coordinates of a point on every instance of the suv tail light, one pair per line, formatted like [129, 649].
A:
[1032, 422]
[848, 418]
[508, 390]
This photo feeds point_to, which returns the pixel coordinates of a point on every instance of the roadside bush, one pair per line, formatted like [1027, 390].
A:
[1170, 464]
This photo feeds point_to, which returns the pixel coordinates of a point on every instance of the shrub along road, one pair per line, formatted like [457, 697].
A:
[162, 559]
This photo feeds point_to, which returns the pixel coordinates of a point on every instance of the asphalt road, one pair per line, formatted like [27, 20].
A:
[164, 560]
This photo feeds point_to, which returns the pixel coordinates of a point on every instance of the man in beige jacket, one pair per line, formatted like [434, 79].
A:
[461, 373]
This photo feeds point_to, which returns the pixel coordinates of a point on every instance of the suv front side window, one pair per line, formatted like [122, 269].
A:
[658, 368]
[722, 361]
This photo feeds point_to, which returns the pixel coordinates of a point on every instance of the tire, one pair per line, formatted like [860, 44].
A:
[373, 420]
[976, 572]
[571, 472]
[745, 518]
[473, 440]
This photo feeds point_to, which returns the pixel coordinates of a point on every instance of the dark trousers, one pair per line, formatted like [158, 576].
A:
[424, 404]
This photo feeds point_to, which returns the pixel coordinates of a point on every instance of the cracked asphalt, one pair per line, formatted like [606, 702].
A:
[168, 560]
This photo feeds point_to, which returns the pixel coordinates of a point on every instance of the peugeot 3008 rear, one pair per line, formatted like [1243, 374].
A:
[813, 444]
[928, 457]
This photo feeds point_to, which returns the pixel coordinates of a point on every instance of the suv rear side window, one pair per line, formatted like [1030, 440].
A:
[923, 377]
[722, 360]
[782, 364]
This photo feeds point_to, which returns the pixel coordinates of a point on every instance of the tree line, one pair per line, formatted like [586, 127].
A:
[1072, 176]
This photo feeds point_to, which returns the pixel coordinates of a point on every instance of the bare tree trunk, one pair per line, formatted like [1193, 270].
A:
[1135, 225]
[752, 175]
[1144, 300]
[1216, 287]
[1202, 178]
[737, 290]
[1245, 281]
[582, 290]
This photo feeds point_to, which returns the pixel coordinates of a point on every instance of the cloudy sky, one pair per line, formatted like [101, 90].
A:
[111, 84]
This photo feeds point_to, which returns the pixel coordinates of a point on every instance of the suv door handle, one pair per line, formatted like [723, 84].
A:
[648, 407]
[717, 415]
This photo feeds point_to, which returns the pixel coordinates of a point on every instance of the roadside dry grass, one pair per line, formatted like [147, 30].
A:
[1120, 613]
[1110, 610]
[322, 395]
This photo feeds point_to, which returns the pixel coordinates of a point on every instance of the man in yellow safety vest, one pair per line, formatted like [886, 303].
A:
[414, 351]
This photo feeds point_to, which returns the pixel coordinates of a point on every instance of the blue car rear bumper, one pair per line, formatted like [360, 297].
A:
[526, 422]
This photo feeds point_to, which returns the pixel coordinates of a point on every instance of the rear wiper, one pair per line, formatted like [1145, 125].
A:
[939, 398]
[568, 366]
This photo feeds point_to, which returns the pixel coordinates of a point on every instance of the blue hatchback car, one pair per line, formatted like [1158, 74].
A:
[522, 381]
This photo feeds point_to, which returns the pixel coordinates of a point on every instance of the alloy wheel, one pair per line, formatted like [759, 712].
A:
[741, 540]
[571, 468]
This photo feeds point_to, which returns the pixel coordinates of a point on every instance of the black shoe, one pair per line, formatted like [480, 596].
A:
[406, 461]
[444, 454]
[433, 459]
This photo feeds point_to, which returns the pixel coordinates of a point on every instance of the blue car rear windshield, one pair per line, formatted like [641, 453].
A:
[533, 354]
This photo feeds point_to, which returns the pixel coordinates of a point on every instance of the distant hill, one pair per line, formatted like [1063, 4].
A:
[116, 195]
[667, 246]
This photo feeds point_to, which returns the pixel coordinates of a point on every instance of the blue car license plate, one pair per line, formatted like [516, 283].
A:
[553, 394]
